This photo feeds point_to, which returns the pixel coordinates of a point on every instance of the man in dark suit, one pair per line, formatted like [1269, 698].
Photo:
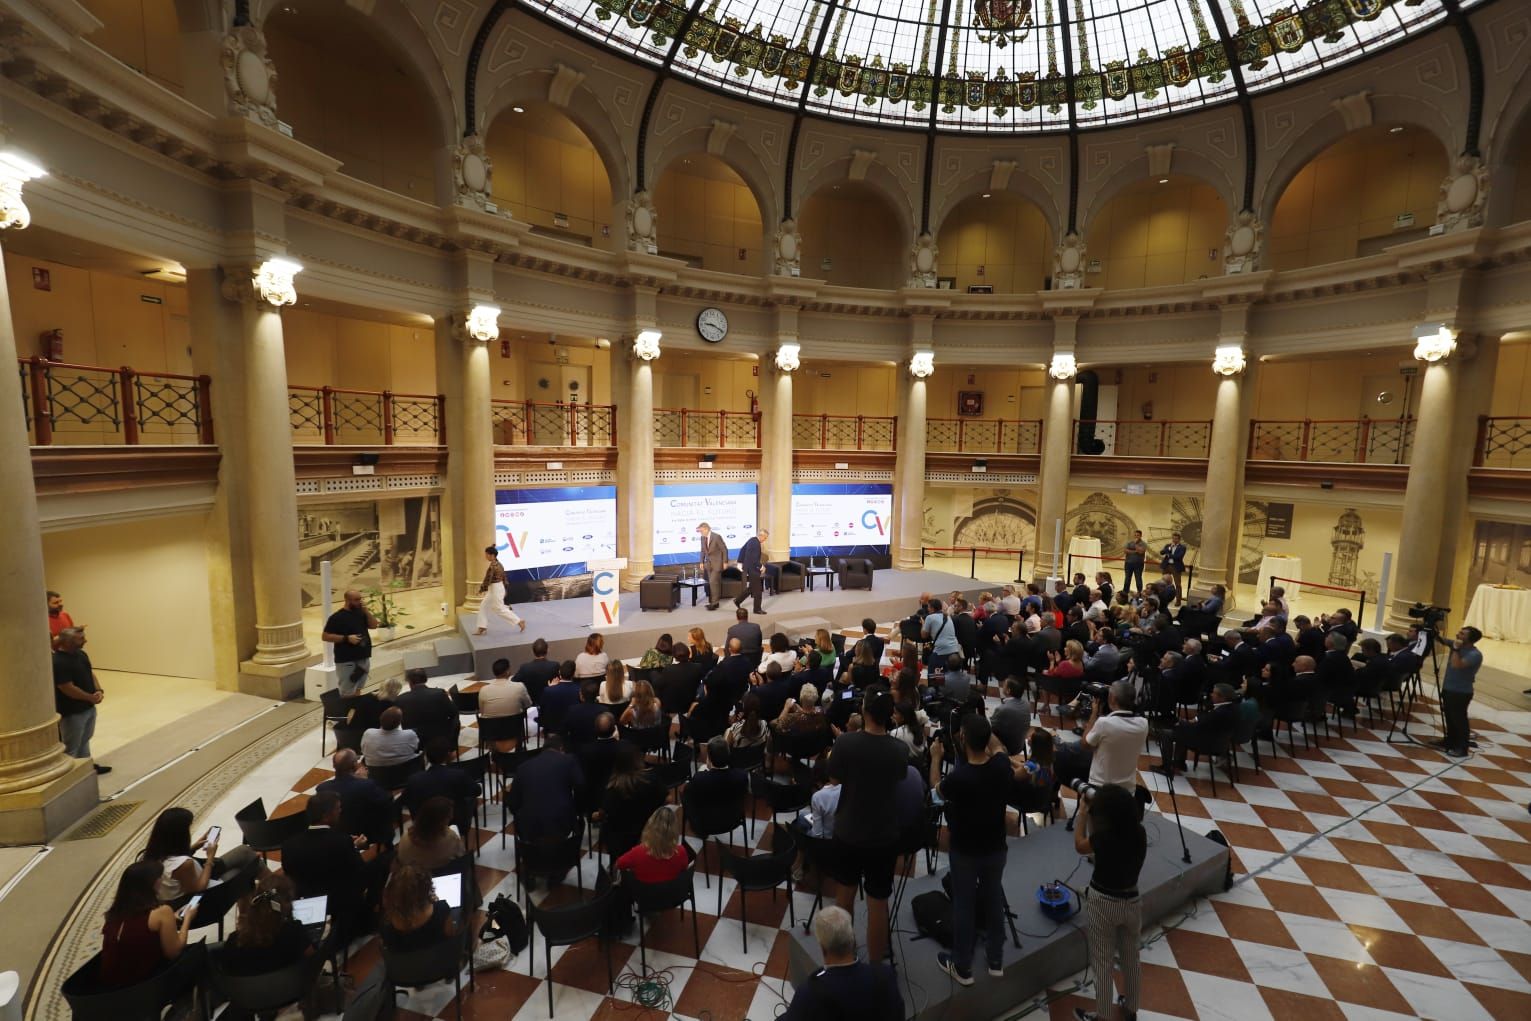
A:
[748, 632]
[1309, 637]
[749, 565]
[1172, 562]
[714, 554]
[428, 711]
[731, 676]
[677, 684]
[579, 721]
[596, 759]
[440, 780]
[774, 689]
[1207, 733]
[871, 638]
[325, 861]
[1011, 720]
[544, 797]
[966, 628]
[365, 808]
[1336, 674]
[1340, 620]
[537, 673]
[561, 695]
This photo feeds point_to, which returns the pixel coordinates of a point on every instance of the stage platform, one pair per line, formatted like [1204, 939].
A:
[565, 623]
[1050, 951]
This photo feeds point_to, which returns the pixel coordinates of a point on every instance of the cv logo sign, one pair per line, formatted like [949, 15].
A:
[515, 543]
[608, 605]
[870, 520]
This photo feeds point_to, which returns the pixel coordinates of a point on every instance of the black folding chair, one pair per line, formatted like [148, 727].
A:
[549, 860]
[708, 820]
[270, 992]
[649, 898]
[416, 969]
[761, 872]
[262, 834]
[335, 713]
[566, 926]
[218, 900]
[142, 1002]
[501, 728]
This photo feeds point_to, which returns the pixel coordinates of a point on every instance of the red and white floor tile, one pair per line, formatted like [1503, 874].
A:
[1373, 881]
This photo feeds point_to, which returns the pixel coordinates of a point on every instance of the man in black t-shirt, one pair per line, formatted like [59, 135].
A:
[347, 630]
[75, 694]
[975, 792]
[869, 764]
[845, 989]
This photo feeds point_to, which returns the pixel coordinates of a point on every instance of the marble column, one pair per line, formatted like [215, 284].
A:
[1427, 494]
[474, 444]
[1222, 511]
[777, 367]
[42, 790]
[1053, 483]
[909, 465]
[636, 473]
[275, 669]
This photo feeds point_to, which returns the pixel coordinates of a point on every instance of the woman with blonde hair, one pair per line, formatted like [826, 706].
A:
[593, 661]
[659, 855]
[643, 709]
[823, 653]
[701, 649]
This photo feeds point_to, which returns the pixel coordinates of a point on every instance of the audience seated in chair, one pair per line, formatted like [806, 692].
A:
[579, 721]
[561, 695]
[543, 798]
[659, 855]
[141, 935]
[678, 684]
[1209, 733]
[845, 987]
[442, 778]
[538, 672]
[325, 861]
[428, 711]
[430, 841]
[412, 918]
[170, 847]
[629, 799]
[643, 709]
[365, 807]
[502, 698]
[266, 937]
[390, 744]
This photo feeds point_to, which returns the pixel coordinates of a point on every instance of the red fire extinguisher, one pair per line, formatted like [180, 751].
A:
[52, 345]
[754, 402]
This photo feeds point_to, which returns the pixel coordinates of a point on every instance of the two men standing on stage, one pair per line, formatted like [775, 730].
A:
[715, 555]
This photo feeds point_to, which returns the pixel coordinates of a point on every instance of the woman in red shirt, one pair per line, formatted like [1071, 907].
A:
[141, 935]
[659, 856]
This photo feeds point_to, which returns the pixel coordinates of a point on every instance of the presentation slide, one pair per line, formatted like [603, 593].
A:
[728, 507]
[841, 519]
[551, 533]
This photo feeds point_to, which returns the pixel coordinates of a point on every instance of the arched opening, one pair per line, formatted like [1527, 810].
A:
[1373, 188]
[999, 240]
[708, 216]
[1158, 231]
[1519, 183]
[548, 174]
[349, 91]
[851, 237]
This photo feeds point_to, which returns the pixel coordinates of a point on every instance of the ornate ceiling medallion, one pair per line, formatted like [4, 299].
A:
[1005, 21]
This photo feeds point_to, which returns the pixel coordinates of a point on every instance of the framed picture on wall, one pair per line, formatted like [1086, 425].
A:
[970, 402]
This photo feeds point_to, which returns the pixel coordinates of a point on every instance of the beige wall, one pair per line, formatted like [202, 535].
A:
[853, 226]
[346, 95]
[544, 166]
[514, 374]
[1351, 192]
[707, 213]
[328, 350]
[143, 34]
[1521, 161]
[1177, 392]
[1512, 380]
[1002, 241]
[141, 587]
[1007, 393]
[709, 384]
[1332, 387]
[870, 390]
[1153, 234]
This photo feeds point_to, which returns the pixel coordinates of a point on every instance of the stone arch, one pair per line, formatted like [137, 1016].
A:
[878, 177]
[1183, 163]
[1330, 128]
[737, 155]
[584, 109]
[946, 200]
[1508, 133]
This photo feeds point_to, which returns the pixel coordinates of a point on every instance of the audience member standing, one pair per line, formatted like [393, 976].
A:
[76, 693]
[1133, 555]
[348, 629]
[1110, 832]
[751, 638]
[714, 555]
[58, 618]
[750, 559]
[1457, 689]
[869, 765]
[1172, 563]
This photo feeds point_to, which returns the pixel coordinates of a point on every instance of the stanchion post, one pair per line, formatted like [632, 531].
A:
[973, 563]
[1020, 567]
[922, 556]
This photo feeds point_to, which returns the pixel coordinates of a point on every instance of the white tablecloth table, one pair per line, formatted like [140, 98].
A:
[1275, 565]
[1503, 613]
[1085, 553]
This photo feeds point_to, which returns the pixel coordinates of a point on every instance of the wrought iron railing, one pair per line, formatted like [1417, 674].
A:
[328, 415]
[688, 427]
[67, 402]
[553, 424]
[982, 436]
[1334, 440]
[1504, 441]
[843, 432]
[1133, 438]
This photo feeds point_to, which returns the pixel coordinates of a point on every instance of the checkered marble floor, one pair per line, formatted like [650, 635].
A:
[1373, 881]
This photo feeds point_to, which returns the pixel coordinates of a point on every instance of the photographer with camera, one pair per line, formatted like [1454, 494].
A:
[1110, 832]
[1113, 737]
[1457, 689]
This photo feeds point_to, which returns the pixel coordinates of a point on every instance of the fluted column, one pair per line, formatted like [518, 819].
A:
[42, 790]
[1221, 510]
[276, 667]
[909, 462]
[776, 446]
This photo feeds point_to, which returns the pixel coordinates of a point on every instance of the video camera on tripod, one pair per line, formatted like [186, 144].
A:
[1431, 618]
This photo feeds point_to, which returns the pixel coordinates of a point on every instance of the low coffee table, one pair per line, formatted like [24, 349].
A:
[695, 585]
[827, 573]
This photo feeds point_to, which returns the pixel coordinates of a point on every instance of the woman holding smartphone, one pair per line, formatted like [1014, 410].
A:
[181, 871]
[140, 935]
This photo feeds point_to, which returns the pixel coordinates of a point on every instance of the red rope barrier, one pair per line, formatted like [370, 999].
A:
[1314, 584]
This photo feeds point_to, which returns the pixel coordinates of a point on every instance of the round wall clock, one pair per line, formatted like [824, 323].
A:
[712, 325]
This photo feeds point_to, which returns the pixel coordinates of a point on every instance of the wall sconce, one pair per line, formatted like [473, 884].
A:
[1434, 342]
[922, 364]
[1063, 366]
[1228, 360]
[787, 358]
[273, 282]
[16, 171]
[646, 345]
[484, 323]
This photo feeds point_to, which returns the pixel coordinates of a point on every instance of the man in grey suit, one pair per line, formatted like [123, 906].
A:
[714, 554]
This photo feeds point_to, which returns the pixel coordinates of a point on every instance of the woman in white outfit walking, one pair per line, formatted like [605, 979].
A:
[493, 590]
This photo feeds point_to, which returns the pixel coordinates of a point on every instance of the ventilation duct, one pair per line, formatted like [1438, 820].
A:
[1088, 382]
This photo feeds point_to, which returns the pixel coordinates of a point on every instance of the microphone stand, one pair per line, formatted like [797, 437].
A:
[1185, 852]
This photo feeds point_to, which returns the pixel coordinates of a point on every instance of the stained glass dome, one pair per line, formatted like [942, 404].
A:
[994, 65]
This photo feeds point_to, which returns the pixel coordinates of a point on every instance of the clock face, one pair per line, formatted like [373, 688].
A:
[712, 324]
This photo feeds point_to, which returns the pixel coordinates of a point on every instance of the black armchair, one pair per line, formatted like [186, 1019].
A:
[790, 575]
[733, 583]
[659, 592]
[854, 572]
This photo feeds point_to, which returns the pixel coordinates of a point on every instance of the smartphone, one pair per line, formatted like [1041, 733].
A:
[213, 833]
[195, 900]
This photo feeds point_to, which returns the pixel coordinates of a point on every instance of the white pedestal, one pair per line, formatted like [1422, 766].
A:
[1275, 565]
[318, 679]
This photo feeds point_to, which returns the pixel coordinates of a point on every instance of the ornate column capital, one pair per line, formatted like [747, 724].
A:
[922, 261]
[473, 173]
[644, 347]
[1243, 244]
[786, 360]
[787, 250]
[1063, 367]
[1229, 360]
[479, 324]
[1069, 263]
[922, 365]
[642, 224]
[270, 283]
[1464, 195]
[249, 76]
[15, 171]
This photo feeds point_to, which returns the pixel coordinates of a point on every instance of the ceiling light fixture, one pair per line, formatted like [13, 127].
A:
[1228, 360]
[1434, 342]
[484, 323]
[518, 109]
[1396, 129]
[787, 359]
[273, 281]
[646, 345]
[15, 171]
[1164, 180]
[985, 194]
[1063, 366]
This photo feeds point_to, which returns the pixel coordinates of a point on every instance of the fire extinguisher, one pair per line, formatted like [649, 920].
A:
[53, 345]
[754, 402]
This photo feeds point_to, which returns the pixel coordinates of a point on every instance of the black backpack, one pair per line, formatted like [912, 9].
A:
[505, 920]
[933, 916]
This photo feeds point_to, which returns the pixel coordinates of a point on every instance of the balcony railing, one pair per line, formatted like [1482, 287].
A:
[554, 424]
[843, 432]
[982, 436]
[327, 415]
[688, 427]
[67, 403]
[1133, 438]
[1503, 442]
[1333, 440]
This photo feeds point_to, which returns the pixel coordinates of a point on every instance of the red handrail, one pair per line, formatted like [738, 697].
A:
[571, 413]
[999, 432]
[125, 380]
[387, 402]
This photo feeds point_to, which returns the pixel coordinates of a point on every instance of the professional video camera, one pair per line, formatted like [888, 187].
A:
[1430, 616]
[1091, 691]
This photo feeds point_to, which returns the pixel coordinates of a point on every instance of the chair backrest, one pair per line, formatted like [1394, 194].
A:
[751, 757]
[763, 871]
[427, 966]
[270, 834]
[333, 708]
[567, 925]
[393, 777]
[550, 858]
[649, 739]
[269, 991]
[502, 728]
[254, 811]
[709, 817]
[463, 701]
[218, 900]
[649, 897]
[89, 1002]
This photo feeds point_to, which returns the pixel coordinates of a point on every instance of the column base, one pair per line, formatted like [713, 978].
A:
[279, 644]
[635, 572]
[278, 681]
[907, 559]
[35, 815]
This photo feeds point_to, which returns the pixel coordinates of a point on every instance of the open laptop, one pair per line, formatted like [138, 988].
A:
[449, 889]
[310, 910]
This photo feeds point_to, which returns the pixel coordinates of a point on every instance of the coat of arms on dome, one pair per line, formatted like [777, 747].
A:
[874, 80]
[1177, 66]
[1026, 90]
[1366, 10]
[1287, 31]
[727, 38]
[773, 55]
[640, 12]
[1005, 21]
[974, 92]
[1117, 82]
[898, 82]
[850, 76]
[1147, 75]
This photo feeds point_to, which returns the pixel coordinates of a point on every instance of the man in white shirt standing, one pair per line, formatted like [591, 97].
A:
[1010, 602]
[1117, 739]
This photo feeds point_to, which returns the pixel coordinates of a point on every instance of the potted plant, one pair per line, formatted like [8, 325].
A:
[382, 605]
